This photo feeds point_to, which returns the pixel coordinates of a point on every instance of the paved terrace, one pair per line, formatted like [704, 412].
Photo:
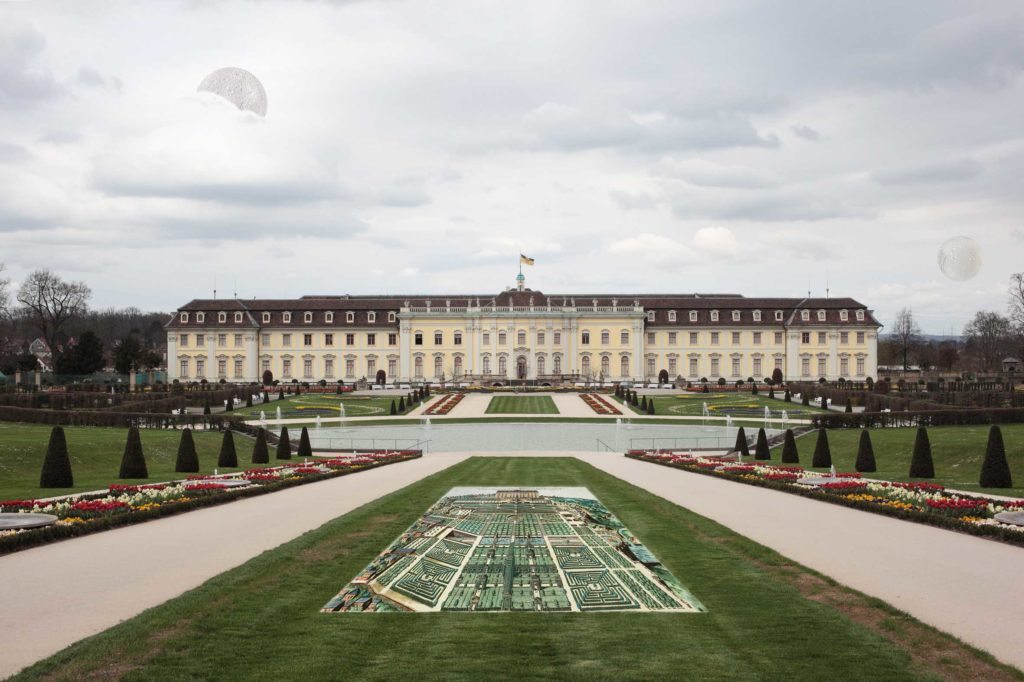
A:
[966, 586]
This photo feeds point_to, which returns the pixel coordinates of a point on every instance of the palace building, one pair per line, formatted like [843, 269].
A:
[522, 335]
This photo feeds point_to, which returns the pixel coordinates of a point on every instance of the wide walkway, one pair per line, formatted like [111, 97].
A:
[55, 595]
[966, 586]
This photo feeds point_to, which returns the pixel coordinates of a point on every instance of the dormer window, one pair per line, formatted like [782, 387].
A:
[735, 316]
[821, 316]
[307, 317]
[184, 317]
[391, 317]
[805, 315]
[200, 317]
[222, 317]
[371, 317]
[757, 316]
[650, 316]
[238, 317]
[286, 317]
[714, 316]
[350, 317]
[693, 316]
[266, 318]
[860, 315]
[671, 316]
[778, 316]
[329, 317]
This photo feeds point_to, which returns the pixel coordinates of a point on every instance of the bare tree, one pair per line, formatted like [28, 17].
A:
[949, 355]
[988, 336]
[5, 293]
[50, 303]
[907, 333]
[1017, 299]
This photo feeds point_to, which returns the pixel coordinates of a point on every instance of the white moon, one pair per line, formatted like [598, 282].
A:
[237, 86]
[960, 258]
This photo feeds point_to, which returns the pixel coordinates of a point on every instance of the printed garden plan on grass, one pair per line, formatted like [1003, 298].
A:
[515, 549]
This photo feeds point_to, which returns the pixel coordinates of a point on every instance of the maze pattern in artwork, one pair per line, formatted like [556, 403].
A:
[574, 558]
[449, 552]
[425, 582]
[598, 590]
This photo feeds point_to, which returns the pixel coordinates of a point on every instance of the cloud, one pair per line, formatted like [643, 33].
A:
[704, 173]
[22, 79]
[806, 132]
[664, 252]
[718, 241]
[630, 202]
[954, 170]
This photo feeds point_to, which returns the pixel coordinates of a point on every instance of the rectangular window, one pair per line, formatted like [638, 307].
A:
[350, 367]
[651, 338]
[392, 367]
[200, 339]
[805, 367]
[605, 338]
[286, 340]
[778, 363]
[693, 367]
[714, 316]
[222, 368]
[624, 338]
[757, 338]
[844, 337]
[222, 339]
[329, 367]
[457, 339]
[714, 367]
[265, 340]
[307, 339]
[486, 339]
[735, 338]
[821, 338]
[757, 367]
[286, 317]
[418, 338]
[778, 316]
[735, 367]
[860, 337]
[307, 369]
[650, 316]
[735, 316]
[328, 339]
[238, 340]
[184, 367]
[371, 367]
[844, 366]
[286, 367]
[822, 367]
[184, 339]
[265, 364]
[438, 338]
[650, 367]
[778, 338]
[540, 338]
[805, 337]
[693, 316]
[672, 367]
[860, 367]
[238, 369]
[585, 339]
[200, 367]
[350, 339]
[392, 339]
[557, 338]
[757, 316]
[502, 338]
[671, 338]
[693, 338]
[714, 338]
[371, 339]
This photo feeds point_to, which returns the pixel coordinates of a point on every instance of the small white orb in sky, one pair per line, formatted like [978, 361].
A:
[960, 258]
[237, 86]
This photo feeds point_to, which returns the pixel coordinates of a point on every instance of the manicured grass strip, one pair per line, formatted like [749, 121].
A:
[323, 404]
[738, 405]
[768, 617]
[957, 452]
[96, 457]
[530, 404]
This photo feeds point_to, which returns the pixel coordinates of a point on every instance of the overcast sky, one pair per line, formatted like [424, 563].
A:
[417, 147]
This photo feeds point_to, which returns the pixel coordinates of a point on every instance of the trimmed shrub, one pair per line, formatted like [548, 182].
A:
[305, 449]
[921, 464]
[865, 454]
[822, 451]
[401, 404]
[228, 457]
[995, 470]
[284, 445]
[133, 462]
[741, 443]
[187, 461]
[849, 406]
[248, 400]
[260, 454]
[266, 397]
[206, 407]
[394, 408]
[643, 404]
[230, 407]
[280, 394]
[771, 392]
[805, 399]
[650, 406]
[788, 397]
[761, 450]
[753, 389]
[56, 471]
[790, 455]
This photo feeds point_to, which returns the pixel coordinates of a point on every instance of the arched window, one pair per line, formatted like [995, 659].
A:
[438, 366]
[487, 364]
[540, 364]
[624, 366]
[558, 364]
[502, 366]
[606, 365]
[585, 365]
[458, 366]
[419, 367]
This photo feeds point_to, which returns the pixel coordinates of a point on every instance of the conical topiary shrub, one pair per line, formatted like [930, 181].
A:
[995, 470]
[761, 450]
[230, 407]
[650, 406]
[643, 404]
[771, 392]
[248, 401]
[741, 443]
[921, 465]
[865, 454]
[187, 460]
[849, 406]
[228, 457]
[133, 463]
[284, 445]
[280, 394]
[394, 408]
[401, 404]
[790, 455]
[56, 471]
[206, 407]
[305, 449]
[260, 454]
[805, 399]
[822, 452]
[788, 397]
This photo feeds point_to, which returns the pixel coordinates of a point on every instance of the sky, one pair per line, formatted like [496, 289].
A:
[760, 148]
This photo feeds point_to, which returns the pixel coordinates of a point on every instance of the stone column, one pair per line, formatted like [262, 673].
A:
[252, 360]
[833, 355]
[172, 357]
[638, 350]
[404, 351]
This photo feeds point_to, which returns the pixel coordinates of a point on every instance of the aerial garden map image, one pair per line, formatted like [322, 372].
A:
[516, 549]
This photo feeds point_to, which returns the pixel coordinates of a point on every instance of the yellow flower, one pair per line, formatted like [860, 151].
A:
[70, 521]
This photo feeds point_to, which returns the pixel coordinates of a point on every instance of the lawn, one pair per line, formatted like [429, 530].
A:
[96, 456]
[323, 404]
[522, 404]
[957, 452]
[768, 617]
[738, 405]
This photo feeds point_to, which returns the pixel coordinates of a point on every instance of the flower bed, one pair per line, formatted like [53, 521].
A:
[122, 505]
[445, 404]
[927, 503]
[599, 404]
